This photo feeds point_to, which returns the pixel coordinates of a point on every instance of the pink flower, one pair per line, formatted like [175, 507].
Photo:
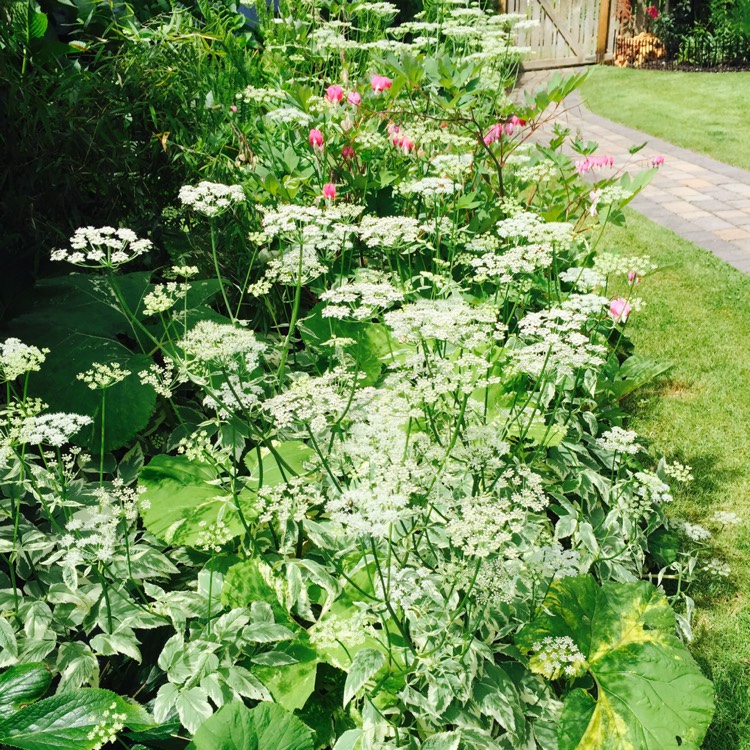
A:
[380, 83]
[316, 138]
[652, 11]
[633, 278]
[354, 98]
[233, 108]
[493, 134]
[334, 93]
[657, 161]
[619, 309]
[513, 123]
[347, 152]
[592, 162]
[329, 191]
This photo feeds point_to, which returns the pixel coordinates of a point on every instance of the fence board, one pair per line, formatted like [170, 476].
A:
[569, 31]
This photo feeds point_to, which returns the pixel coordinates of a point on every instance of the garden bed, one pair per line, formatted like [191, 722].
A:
[339, 457]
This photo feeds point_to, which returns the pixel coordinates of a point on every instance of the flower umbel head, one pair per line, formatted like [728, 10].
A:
[104, 247]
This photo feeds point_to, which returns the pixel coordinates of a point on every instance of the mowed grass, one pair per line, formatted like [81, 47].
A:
[698, 317]
[706, 112]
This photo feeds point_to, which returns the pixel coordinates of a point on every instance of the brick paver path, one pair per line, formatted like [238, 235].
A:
[699, 198]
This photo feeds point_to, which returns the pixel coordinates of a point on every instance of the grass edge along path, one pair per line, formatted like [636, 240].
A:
[697, 316]
[704, 112]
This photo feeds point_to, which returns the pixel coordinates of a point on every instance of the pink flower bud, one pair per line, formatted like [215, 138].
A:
[347, 152]
[316, 138]
[380, 83]
[657, 161]
[334, 93]
[354, 98]
[619, 309]
[233, 107]
[633, 278]
[329, 191]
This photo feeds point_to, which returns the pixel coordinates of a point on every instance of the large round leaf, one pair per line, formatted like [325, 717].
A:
[184, 502]
[650, 692]
[267, 726]
[129, 404]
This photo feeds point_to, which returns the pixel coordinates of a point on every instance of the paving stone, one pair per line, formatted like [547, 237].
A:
[703, 200]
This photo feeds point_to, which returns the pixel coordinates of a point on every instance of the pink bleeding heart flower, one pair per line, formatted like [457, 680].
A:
[347, 152]
[652, 11]
[329, 191]
[316, 138]
[334, 93]
[633, 278]
[380, 83]
[657, 161]
[354, 98]
[493, 134]
[619, 309]
[233, 107]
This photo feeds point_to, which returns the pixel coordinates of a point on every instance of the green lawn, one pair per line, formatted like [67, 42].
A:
[698, 317]
[706, 112]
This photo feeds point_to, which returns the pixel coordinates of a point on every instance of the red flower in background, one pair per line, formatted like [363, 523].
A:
[652, 11]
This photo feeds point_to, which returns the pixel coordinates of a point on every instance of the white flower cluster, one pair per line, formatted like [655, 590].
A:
[164, 379]
[236, 396]
[107, 728]
[359, 300]
[213, 536]
[694, 531]
[609, 263]
[561, 345]
[583, 279]
[431, 189]
[17, 358]
[102, 375]
[523, 488]
[103, 247]
[311, 401]
[163, 297]
[452, 166]
[452, 320]
[54, 429]
[222, 344]
[529, 226]
[389, 231]
[726, 518]
[332, 632]
[716, 567]
[286, 502]
[211, 198]
[618, 440]
[556, 656]
[483, 525]
[289, 116]
[678, 471]
[259, 95]
[371, 507]
[517, 261]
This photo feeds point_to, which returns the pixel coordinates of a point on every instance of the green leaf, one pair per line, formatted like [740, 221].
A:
[366, 663]
[498, 698]
[193, 707]
[184, 502]
[286, 461]
[21, 685]
[129, 403]
[442, 741]
[650, 693]
[65, 721]
[268, 726]
[291, 685]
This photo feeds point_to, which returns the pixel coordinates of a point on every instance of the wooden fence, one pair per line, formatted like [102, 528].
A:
[570, 32]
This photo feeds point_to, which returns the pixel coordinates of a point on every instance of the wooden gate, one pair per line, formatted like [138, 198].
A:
[569, 32]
